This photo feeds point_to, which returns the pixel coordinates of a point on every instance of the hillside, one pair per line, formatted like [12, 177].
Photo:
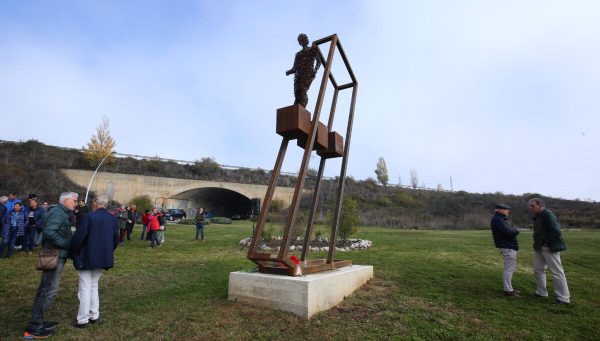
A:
[33, 167]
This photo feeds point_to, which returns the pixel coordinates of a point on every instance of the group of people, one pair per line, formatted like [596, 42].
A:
[91, 246]
[548, 243]
[155, 225]
[20, 224]
[126, 217]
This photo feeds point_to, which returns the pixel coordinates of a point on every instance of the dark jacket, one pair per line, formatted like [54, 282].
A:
[57, 233]
[546, 232]
[95, 240]
[2, 214]
[132, 216]
[505, 236]
[38, 217]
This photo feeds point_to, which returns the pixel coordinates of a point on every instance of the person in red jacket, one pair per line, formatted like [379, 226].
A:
[153, 228]
[145, 223]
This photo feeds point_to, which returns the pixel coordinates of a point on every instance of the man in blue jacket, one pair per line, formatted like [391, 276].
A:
[548, 243]
[93, 249]
[505, 239]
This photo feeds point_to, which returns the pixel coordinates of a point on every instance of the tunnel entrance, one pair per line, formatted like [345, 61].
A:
[221, 202]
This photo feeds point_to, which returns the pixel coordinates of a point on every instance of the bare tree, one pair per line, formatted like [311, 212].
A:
[414, 178]
[382, 172]
[101, 144]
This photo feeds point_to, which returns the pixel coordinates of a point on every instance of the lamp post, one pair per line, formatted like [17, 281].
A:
[93, 175]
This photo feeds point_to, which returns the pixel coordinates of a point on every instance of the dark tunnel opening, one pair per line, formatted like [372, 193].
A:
[221, 202]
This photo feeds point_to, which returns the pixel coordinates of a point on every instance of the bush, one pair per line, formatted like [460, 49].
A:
[142, 203]
[348, 218]
[219, 220]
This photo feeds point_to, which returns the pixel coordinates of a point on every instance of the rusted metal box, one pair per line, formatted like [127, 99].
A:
[335, 147]
[320, 140]
[293, 122]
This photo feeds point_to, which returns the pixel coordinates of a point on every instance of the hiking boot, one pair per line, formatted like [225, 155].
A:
[40, 334]
[80, 325]
[560, 302]
[513, 293]
[50, 325]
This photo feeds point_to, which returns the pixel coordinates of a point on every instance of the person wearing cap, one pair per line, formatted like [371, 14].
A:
[547, 244]
[505, 239]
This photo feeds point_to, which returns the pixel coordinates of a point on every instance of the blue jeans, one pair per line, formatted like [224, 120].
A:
[143, 231]
[200, 229]
[9, 241]
[38, 237]
[44, 296]
[29, 239]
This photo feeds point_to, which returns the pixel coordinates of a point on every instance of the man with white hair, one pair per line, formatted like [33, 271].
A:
[57, 235]
[93, 247]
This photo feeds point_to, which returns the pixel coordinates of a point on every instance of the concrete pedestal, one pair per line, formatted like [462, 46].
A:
[303, 296]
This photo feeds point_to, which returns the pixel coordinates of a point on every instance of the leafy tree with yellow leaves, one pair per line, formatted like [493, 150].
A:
[101, 144]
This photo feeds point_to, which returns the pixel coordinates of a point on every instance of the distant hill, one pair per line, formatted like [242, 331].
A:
[33, 167]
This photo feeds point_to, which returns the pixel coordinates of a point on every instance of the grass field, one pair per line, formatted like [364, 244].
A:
[428, 285]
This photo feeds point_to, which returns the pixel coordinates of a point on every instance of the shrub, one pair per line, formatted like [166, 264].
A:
[142, 203]
[348, 218]
[219, 220]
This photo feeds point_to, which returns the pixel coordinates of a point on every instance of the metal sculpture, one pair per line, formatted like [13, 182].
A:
[294, 122]
[303, 69]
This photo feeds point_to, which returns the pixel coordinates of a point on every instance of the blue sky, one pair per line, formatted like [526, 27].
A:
[500, 96]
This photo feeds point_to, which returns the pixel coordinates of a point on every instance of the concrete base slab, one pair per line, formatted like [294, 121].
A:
[303, 296]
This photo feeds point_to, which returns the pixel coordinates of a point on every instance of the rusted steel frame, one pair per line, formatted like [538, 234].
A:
[342, 180]
[346, 62]
[285, 243]
[317, 190]
[277, 271]
[326, 266]
[331, 78]
[345, 86]
[268, 197]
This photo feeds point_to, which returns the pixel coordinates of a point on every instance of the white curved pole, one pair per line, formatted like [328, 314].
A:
[93, 175]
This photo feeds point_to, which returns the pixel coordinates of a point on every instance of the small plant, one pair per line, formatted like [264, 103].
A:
[318, 235]
[268, 232]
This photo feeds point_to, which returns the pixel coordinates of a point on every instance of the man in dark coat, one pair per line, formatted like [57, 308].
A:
[93, 249]
[57, 235]
[505, 239]
[548, 243]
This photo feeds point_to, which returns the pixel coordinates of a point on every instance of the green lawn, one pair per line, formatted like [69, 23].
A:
[440, 285]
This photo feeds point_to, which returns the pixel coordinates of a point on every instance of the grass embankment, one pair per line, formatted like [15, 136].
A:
[427, 285]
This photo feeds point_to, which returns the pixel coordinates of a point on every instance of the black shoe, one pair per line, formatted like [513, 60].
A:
[50, 325]
[513, 293]
[95, 321]
[80, 326]
[40, 334]
[560, 302]
[538, 295]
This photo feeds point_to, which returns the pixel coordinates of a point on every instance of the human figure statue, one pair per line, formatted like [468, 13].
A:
[303, 70]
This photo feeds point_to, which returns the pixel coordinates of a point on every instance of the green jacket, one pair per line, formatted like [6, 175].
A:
[546, 232]
[57, 233]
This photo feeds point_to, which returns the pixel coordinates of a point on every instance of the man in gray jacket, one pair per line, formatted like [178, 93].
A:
[57, 235]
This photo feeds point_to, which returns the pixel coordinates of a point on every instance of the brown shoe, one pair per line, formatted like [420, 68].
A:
[511, 293]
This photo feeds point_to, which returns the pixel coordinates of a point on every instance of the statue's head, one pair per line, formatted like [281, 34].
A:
[303, 40]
